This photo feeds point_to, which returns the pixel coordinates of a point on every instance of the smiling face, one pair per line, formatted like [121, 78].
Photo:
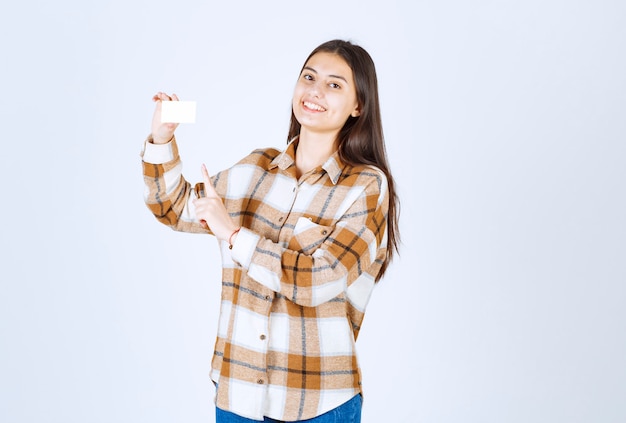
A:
[325, 95]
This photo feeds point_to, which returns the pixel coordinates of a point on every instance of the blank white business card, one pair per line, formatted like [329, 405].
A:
[178, 112]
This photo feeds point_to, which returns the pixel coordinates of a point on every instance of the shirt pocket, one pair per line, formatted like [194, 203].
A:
[308, 236]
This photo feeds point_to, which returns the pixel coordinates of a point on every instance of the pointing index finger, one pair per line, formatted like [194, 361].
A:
[205, 174]
[210, 191]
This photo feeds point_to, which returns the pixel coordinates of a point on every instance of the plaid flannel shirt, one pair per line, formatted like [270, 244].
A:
[297, 280]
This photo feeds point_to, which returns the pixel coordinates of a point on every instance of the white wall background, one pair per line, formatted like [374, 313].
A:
[505, 123]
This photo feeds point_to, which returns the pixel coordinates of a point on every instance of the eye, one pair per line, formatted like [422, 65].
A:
[334, 85]
[308, 77]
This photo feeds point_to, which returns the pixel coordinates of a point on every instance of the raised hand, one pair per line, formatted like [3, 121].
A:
[162, 132]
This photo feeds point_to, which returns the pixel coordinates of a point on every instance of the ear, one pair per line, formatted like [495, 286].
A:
[356, 112]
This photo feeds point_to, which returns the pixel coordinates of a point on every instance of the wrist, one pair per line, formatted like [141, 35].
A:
[232, 238]
[160, 140]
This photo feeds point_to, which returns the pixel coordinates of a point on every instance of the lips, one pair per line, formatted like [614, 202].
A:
[312, 106]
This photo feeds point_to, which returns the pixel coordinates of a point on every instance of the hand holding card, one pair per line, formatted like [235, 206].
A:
[162, 133]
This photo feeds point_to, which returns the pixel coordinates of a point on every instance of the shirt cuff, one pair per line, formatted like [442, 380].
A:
[244, 247]
[158, 153]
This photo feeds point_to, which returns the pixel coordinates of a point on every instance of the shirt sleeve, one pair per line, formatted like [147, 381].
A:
[167, 194]
[356, 248]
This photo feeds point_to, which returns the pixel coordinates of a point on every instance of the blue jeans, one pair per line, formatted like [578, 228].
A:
[349, 412]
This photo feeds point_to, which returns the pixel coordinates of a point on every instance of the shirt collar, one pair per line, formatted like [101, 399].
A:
[333, 166]
[287, 157]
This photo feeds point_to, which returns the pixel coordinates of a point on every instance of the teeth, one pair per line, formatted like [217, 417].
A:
[314, 106]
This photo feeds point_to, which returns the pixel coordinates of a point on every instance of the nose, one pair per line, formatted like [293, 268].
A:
[315, 90]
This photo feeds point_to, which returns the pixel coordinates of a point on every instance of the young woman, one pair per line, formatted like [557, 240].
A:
[304, 233]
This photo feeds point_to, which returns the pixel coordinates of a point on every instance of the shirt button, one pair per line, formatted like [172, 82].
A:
[262, 337]
[324, 232]
[260, 381]
[280, 219]
[268, 298]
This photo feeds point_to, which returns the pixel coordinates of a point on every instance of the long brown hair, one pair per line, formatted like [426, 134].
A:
[361, 139]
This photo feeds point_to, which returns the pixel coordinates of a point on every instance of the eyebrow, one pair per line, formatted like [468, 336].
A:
[332, 76]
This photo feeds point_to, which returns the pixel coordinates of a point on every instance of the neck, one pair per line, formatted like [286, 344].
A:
[313, 150]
